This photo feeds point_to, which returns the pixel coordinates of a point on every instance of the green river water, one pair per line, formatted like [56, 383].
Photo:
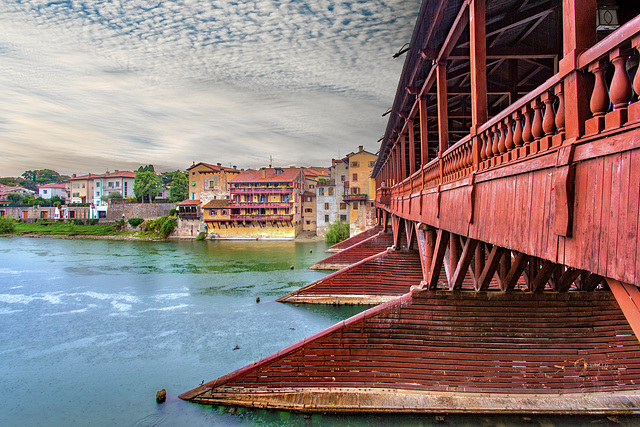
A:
[91, 329]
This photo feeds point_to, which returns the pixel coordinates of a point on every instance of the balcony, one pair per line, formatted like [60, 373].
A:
[355, 197]
[261, 217]
[261, 190]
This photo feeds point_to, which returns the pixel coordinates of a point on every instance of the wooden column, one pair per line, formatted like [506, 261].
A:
[443, 113]
[403, 157]
[412, 148]
[478, 57]
[579, 17]
[424, 135]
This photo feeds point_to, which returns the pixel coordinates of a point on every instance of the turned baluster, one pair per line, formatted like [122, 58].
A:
[517, 135]
[527, 135]
[549, 121]
[599, 103]
[483, 146]
[560, 111]
[489, 150]
[620, 90]
[636, 79]
[496, 140]
[469, 155]
[536, 126]
[503, 138]
[509, 144]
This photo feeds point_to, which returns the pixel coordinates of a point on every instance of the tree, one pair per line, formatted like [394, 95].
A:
[179, 187]
[148, 168]
[147, 183]
[337, 232]
[15, 198]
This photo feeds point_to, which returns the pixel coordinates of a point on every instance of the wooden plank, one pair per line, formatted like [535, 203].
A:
[612, 240]
[606, 225]
[543, 275]
[628, 298]
[622, 243]
[629, 255]
[596, 187]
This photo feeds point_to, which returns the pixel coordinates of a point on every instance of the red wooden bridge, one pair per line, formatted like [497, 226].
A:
[507, 252]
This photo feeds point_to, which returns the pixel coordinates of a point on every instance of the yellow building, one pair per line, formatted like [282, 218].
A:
[361, 191]
[263, 204]
[210, 182]
[80, 188]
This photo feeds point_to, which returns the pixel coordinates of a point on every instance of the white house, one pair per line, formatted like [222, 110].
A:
[47, 191]
[113, 182]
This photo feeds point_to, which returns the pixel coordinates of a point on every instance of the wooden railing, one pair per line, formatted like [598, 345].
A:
[535, 123]
[610, 101]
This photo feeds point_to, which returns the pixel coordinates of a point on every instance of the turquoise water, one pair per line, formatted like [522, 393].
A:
[91, 329]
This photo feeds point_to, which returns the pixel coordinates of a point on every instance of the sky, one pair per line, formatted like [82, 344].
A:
[96, 85]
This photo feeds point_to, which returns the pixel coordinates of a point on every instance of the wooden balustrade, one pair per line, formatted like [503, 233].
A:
[610, 101]
[535, 123]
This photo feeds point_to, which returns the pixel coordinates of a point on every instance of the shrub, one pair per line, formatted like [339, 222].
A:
[337, 232]
[134, 222]
[173, 212]
[119, 225]
[77, 221]
[167, 225]
[7, 225]
[92, 221]
[201, 236]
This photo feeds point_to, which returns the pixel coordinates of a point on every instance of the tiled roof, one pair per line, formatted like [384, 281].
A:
[89, 176]
[316, 171]
[287, 175]
[53, 185]
[217, 204]
[189, 202]
[119, 174]
[215, 168]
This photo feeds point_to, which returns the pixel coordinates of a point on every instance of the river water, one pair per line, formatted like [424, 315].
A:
[91, 329]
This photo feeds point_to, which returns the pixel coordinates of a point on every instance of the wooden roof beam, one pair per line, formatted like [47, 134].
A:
[507, 53]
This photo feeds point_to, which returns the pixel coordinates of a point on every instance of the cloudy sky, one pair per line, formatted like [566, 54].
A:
[95, 85]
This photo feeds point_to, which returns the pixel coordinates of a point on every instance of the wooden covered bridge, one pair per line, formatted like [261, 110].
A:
[506, 259]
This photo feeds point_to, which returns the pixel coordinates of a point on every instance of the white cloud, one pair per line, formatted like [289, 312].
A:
[97, 84]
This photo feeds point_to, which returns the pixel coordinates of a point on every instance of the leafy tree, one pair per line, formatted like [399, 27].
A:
[147, 183]
[15, 198]
[148, 168]
[179, 187]
[56, 200]
[9, 180]
[337, 232]
[7, 225]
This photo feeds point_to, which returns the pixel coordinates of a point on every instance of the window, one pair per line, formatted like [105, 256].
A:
[343, 206]
[98, 184]
[312, 186]
[321, 191]
[309, 199]
[343, 217]
[44, 191]
[82, 185]
[117, 184]
[342, 178]
[76, 186]
[355, 205]
[308, 210]
[224, 212]
[371, 164]
[75, 195]
[355, 164]
[326, 218]
[355, 176]
[326, 206]
[308, 222]
[331, 191]
[193, 196]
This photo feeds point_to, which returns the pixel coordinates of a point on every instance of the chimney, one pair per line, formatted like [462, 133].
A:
[235, 168]
[89, 174]
[74, 175]
[264, 172]
[219, 164]
[361, 148]
[117, 171]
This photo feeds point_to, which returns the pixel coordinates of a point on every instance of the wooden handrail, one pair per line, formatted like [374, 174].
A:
[613, 40]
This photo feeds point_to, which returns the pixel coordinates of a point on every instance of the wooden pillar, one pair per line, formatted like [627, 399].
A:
[412, 148]
[424, 135]
[478, 57]
[403, 157]
[443, 113]
[579, 17]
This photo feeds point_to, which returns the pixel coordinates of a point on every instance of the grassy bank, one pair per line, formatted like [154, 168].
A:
[66, 229]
